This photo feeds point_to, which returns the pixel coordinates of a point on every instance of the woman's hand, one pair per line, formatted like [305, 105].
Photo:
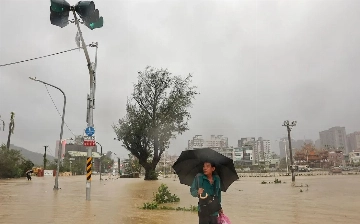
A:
[200, 191]
[221, 211]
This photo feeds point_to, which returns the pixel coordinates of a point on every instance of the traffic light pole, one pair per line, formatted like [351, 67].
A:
[91, 99]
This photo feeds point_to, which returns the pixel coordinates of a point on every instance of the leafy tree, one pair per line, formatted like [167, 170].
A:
[12, 164]
[157, 111]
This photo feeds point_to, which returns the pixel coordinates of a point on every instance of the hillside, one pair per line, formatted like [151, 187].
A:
[35, 157]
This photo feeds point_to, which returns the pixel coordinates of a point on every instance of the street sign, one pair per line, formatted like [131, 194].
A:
[71, 158]
[89, 141]
[89, 138]
[90, 131]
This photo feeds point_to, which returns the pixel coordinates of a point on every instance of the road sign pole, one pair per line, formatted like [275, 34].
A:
[91, 99]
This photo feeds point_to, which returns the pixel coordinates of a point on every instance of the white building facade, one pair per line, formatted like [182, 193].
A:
[354, 157]
[198, 141]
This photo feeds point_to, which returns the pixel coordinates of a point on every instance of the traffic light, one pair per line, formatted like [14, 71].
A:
[59, 12]
[90, 15]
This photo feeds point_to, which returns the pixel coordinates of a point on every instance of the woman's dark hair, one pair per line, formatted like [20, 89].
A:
[211, 163]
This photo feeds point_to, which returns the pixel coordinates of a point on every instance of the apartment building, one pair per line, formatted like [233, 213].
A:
[334, 139]
[353, 141]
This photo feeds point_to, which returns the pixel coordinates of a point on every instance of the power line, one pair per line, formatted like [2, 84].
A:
[58, 109]
[32, 59]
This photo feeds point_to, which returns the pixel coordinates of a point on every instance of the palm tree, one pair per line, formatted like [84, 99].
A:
[11, 129]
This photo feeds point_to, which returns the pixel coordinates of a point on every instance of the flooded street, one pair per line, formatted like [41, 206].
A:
[329, 199]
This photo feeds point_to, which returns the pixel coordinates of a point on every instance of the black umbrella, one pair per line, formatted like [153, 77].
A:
[191, 162]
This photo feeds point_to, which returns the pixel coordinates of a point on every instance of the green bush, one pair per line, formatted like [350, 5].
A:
[153, 175]
[164, 196]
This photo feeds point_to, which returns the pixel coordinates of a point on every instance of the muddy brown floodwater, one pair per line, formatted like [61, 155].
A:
[328, 199]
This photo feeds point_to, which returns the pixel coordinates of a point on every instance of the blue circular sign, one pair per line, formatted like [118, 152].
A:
[90, 131]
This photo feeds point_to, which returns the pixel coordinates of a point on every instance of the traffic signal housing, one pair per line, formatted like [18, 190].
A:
[90, 15]
[59, 13]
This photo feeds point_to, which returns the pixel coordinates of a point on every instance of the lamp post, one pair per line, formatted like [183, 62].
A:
[101, 154]
[56, 186]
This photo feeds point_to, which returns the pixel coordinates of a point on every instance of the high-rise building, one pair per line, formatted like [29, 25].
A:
[261, 152]
[334, 139]
[353, 141]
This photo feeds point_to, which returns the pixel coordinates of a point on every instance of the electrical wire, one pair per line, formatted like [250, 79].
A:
[58, 110]
[32, 59]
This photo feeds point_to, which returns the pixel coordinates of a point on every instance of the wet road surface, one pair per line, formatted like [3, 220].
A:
[328, 199]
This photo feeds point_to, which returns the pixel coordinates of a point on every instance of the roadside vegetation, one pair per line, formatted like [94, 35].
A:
[12, 163]
[163, 196]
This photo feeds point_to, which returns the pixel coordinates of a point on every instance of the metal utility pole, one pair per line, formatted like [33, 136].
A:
[289, 127]
[286, 159]
[45, 146]
[101, 154]
[59, 14]
[119, 165]
[91, 100]
[56, 186]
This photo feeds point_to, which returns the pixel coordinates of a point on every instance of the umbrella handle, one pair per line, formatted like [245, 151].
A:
[206, 195]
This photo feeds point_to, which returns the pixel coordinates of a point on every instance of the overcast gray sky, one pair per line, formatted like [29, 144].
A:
[256, 64]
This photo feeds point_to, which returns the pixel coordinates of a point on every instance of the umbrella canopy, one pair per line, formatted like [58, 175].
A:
[191, 162]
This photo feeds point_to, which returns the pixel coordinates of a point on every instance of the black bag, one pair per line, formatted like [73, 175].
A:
[210, 204]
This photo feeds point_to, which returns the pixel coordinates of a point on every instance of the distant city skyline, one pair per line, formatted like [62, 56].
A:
[255, 64]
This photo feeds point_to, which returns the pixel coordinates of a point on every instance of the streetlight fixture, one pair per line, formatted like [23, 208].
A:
[56, 186]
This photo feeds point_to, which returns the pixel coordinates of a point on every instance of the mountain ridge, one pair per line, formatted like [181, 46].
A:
[35, 157]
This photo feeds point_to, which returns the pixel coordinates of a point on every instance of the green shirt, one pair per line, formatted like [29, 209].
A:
[207, 186]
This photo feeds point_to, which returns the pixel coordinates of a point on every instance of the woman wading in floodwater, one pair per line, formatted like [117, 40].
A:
[196, 168]
[206, 186]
